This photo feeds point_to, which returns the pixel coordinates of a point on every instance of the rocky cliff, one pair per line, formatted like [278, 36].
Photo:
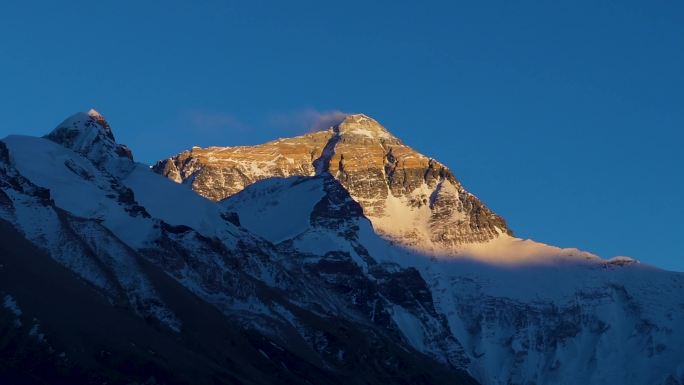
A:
[410, 198]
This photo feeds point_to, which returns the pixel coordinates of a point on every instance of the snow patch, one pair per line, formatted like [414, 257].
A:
[277, 209]
[11, 304]
[410, 327]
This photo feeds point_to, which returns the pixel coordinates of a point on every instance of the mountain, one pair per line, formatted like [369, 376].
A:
[410, 198]
[110, 273]
[337, 257]
[395, 234]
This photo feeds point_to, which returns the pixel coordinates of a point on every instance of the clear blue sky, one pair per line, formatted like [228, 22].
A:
[566, 117]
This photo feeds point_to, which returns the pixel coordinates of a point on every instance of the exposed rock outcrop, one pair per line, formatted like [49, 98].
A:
[409, 197]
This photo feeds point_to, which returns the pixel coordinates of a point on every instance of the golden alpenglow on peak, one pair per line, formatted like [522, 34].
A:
[410, 198]
[365, 126]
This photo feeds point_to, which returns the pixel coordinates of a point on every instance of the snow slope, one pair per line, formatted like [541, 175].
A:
[306, 275]
[520, 312]
[78, 197]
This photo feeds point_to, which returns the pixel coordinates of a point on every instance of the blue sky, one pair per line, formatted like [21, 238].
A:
[567, 118]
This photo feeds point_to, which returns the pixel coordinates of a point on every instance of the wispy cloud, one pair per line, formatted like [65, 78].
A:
[320, 120]
[306, 120]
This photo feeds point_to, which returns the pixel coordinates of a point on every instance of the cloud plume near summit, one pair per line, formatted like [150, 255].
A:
[307, 120]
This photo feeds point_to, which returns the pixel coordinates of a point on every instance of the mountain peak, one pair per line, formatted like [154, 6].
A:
[89, 134]
[408, 197]
[364, 126]
[359, 118]
[95, 115]
[83, 124]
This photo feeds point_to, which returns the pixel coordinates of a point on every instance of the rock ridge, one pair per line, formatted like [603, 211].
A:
[409, 197]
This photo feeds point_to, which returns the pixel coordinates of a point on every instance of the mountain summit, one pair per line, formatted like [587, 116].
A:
[364, 125]
[306, 271]
[89, 134]
[410, 198]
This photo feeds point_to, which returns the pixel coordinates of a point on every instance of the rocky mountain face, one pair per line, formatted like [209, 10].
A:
[90, 135]
[105, 278]
[537, 315]
[344, 204]
[410, 198]
[300, 272]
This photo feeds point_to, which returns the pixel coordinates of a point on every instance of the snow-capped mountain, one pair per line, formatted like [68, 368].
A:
[557, 317]
[112, 273]
[337, 257]
[358, 208]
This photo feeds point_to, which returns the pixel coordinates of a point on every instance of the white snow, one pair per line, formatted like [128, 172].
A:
[10, 304]
[41, 225]
[36, 333]
[401, 221]
[47, 164]
[410, 327]
[174, 204]
[276, 209]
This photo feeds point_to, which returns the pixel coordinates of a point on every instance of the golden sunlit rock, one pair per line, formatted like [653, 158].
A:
[409, 197]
